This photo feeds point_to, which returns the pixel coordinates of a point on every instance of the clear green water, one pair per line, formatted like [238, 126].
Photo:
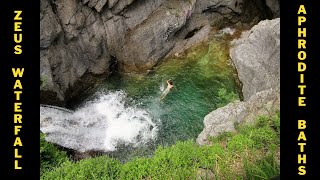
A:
[203, 80]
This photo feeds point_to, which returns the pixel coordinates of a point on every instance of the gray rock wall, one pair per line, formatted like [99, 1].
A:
[256, 56]
[72, 46]
[274, 6]
[80, 39]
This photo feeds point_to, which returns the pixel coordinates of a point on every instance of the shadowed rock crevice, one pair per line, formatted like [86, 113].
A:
[54, 6]
[192, 33]
[114, 65]
[256, 10]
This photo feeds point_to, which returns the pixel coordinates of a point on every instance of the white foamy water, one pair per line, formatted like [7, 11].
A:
[100, 125]
[162, 87]
[226, 30]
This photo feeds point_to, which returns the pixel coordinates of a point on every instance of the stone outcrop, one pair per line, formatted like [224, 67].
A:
[84, 40]
[256, 56]
[224, 118]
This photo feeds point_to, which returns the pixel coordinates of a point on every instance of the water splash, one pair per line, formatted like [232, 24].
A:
[226, 30]
[162, 87]
[101, 124]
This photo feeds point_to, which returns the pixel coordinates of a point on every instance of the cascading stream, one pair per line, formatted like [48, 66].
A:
[100, 125]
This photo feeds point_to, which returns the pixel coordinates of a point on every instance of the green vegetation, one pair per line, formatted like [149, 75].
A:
[250, 153]
[225, 97]
[50, 155]
[43, 81]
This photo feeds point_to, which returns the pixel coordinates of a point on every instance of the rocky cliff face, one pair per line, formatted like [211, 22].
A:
[256, 56]
[81, 40]
[72, 48]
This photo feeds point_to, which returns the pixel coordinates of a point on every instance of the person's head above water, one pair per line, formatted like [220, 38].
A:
[170, 84]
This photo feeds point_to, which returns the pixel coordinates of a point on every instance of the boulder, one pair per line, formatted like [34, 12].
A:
[224, 119]
[256, 56]
[204, 174]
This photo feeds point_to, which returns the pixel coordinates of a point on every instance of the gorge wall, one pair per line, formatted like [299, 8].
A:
[256, 56]
[82, 41]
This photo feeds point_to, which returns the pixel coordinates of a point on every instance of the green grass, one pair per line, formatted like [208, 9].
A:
[250, 153]
[50, 155]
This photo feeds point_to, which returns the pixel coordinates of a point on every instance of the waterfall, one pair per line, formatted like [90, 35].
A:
[100, 124]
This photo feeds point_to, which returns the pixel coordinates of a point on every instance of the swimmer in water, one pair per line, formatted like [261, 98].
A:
[169, 87]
